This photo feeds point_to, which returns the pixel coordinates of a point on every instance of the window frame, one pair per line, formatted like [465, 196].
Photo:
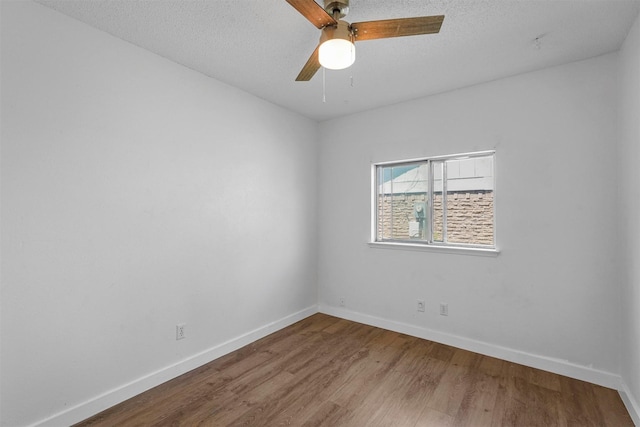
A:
[429, 244]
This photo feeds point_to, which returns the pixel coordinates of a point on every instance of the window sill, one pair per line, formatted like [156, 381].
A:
[461, 250]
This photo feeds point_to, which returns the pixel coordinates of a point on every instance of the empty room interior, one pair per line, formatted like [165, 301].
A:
[173, 191]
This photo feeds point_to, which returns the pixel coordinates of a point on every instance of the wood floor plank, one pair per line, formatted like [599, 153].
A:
[432, 418]
[478, 403]
[415, 356]
[315, 371]
[578, 403]
[352, 394]
[226, 412]
[329, 414]
[384, 399]
[326, 378]
[423, 380]
[528, 404]
[451, 389]
[325, 371]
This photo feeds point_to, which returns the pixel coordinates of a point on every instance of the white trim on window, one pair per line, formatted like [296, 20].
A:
[447, 249]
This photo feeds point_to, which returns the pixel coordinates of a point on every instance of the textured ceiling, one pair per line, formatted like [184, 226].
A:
[261, 45]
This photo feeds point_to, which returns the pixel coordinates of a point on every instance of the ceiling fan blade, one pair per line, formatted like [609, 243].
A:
[370, 30]
[313, 12]
[310, 68]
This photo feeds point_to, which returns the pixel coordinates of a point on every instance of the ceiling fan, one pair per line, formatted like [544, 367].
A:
[336, 49]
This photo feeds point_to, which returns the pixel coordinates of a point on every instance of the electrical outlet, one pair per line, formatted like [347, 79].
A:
[420, 305]
[342, 302]
[181, 331]
[444, 309]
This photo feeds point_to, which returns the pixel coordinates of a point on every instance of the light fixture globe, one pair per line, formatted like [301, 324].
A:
[337, 50]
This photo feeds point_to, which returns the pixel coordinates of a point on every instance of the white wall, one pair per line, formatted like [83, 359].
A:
[629, 213]
[550, 298]
[137, 194]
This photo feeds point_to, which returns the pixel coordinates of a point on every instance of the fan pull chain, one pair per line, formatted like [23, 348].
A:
[324, 93]
[351, 80]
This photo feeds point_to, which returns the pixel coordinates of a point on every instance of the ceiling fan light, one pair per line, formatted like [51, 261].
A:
[337, 54]
[337, 50]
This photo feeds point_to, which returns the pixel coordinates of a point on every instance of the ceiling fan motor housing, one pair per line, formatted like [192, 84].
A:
[340, 6]
[341, 31]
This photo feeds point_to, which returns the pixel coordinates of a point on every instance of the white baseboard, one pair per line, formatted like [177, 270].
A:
[558, 366]
[112, 397]
[632, 404]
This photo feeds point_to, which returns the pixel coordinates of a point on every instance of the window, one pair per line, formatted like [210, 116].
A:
[445, 201]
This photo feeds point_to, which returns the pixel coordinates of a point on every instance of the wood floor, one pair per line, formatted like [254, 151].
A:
[325, 371]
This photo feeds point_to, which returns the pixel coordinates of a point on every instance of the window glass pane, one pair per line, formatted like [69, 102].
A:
[382, 206]
[385, 203]
[438, 207]
[469, 201]
[402, 201]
